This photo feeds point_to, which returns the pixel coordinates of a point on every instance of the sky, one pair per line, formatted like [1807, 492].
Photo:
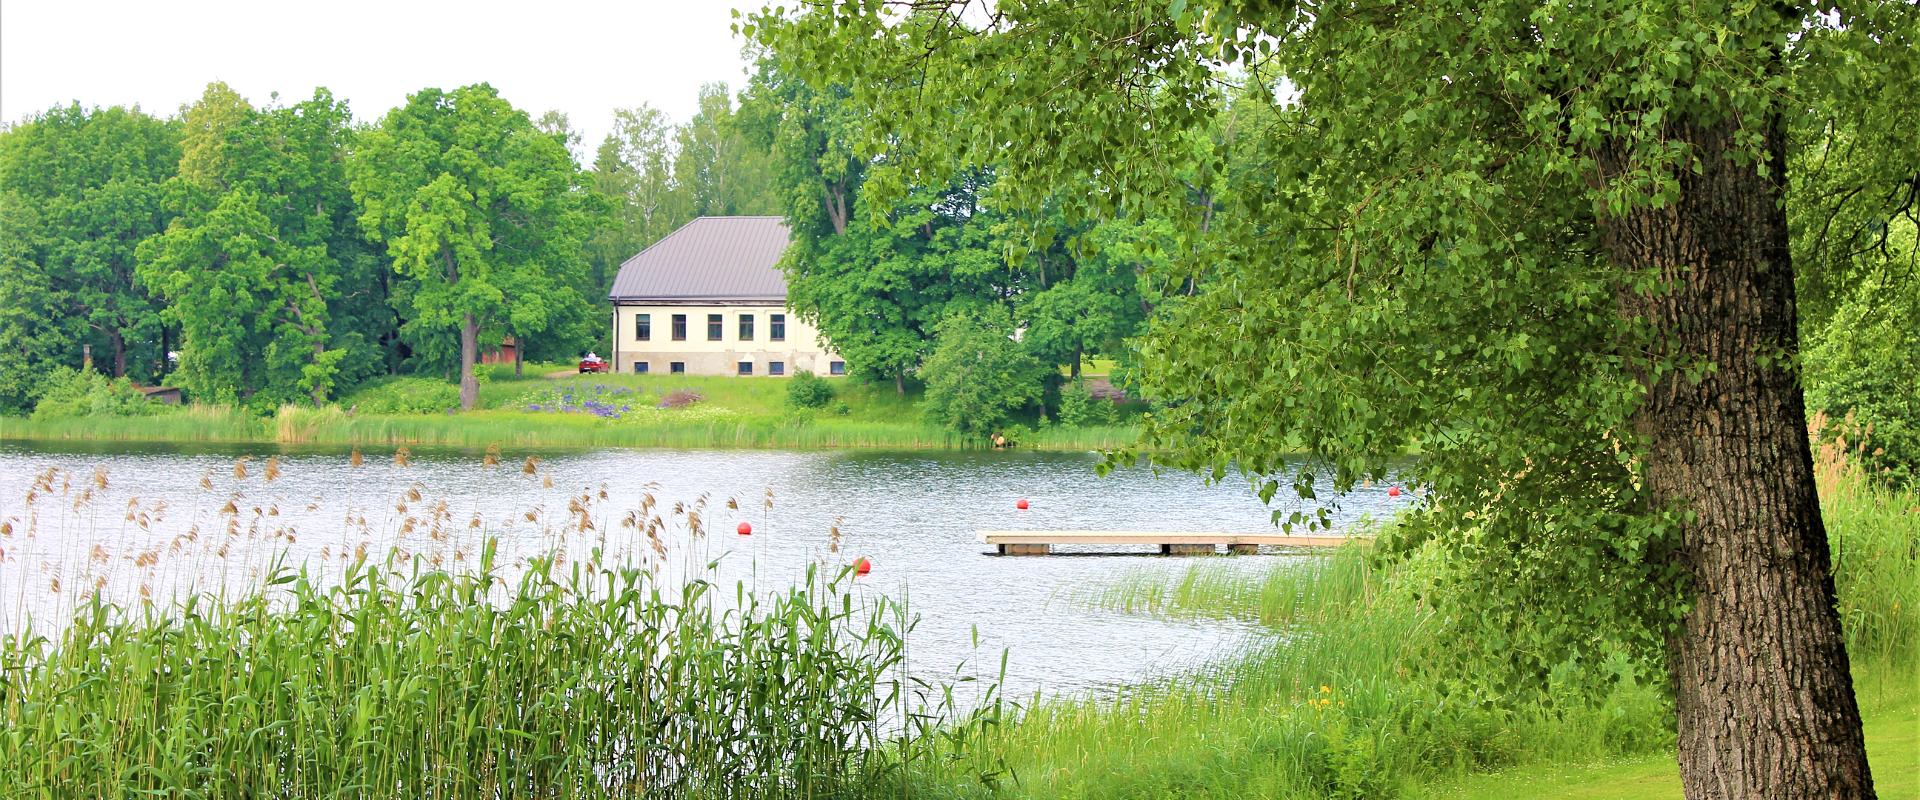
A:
[582, 58]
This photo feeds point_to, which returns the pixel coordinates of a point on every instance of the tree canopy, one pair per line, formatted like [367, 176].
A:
[1546, 245]
[79, 190]
[477, 207]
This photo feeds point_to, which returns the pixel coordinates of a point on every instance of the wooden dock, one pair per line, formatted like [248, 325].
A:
[1040, 543]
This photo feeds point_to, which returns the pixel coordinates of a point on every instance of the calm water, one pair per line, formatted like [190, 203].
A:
[913, 514]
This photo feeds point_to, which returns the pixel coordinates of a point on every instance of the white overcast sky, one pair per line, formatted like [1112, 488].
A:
[583, 58]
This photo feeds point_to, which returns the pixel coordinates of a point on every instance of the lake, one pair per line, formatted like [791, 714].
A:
[172, 519]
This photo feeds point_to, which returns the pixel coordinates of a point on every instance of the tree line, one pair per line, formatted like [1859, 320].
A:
[283, 253]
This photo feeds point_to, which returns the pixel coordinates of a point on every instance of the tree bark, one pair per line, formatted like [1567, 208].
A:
[900, 383]
[119, 352]
[1762, 687]
[469, 353]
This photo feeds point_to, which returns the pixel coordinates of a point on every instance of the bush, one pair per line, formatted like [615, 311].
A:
[807, 390]
[1078, 406]
[681, 398]
[403, 395]
[1859, 373]
[66, 393]
[978, 377]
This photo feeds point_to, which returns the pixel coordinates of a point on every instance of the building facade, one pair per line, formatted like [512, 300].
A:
[709, 299]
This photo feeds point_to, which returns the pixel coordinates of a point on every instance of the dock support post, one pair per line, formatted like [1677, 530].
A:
[1244, 549]
[1025, 549]
[1186, 550]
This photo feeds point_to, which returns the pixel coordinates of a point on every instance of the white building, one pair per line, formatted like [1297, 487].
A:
[709, 299]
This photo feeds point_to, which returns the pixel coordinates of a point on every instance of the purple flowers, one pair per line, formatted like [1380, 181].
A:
[597, 399]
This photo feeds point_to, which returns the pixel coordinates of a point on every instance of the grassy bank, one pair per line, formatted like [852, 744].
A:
[540, 412]
[1346, 704]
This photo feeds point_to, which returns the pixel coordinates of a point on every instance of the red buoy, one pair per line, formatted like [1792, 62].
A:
[1020, 504]
[1391, 492]
[861, 566]
[745, 528]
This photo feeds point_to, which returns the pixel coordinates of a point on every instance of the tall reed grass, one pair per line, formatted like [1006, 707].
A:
[1874, 534]
[212, 424]
[573, 684]
[610, 662]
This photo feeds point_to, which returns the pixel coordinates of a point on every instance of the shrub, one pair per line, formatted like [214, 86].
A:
[807, 390]
[681, 398]
[1859, 372]
[66, 393]
[403, 395]
[978, 377]
[1079, 406]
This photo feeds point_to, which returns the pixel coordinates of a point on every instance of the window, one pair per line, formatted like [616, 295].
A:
[746, 368]
[777, 327]
[746, 327]
[677, 367]
[776, 368]
[642, 327]
[640, 367]
[715, 327]
[679, 327]
[836, 368]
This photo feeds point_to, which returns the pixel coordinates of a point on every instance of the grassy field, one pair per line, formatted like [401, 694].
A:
[626, 411]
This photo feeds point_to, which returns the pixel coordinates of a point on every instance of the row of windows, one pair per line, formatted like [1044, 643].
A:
[716, 327]
[743, 368]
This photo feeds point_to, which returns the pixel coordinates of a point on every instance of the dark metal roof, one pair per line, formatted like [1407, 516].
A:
[709, 259]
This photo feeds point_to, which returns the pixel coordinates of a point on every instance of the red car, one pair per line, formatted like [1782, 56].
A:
[592, 363]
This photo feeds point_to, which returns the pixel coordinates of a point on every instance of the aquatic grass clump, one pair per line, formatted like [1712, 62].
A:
[574, 683]
[1346, 700]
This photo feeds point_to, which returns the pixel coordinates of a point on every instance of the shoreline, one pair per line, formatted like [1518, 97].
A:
[480, 429]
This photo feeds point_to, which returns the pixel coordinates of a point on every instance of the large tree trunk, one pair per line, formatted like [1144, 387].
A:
[469, 353]
[1762, 687]
[319, 390]
[119, 352]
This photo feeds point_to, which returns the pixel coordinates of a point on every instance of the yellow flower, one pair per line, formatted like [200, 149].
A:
[1325, 701]
[1324, 689]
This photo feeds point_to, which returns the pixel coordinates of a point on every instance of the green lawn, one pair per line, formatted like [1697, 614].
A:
[1893, 748]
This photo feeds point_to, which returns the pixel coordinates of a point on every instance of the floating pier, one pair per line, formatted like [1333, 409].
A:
[1040, 543]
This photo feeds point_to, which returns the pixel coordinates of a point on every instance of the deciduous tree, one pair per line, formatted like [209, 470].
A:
[1548, 243]
[479, 210]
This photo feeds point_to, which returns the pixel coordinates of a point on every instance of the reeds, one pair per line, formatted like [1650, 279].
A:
[575, 683]
[599, 669]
